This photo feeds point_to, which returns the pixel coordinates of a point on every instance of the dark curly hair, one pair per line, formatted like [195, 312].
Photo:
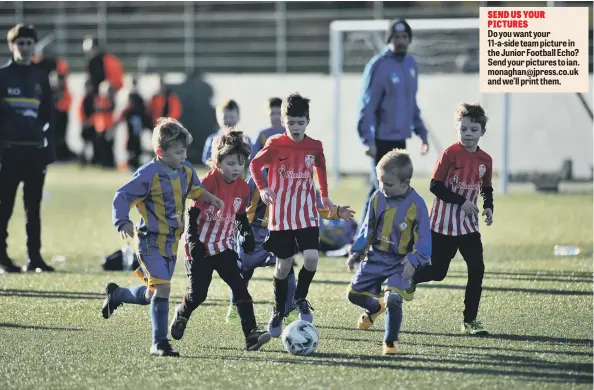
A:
[228, 143]
[474, 112]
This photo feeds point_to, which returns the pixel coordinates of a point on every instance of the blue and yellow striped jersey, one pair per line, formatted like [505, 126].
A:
[396, 227]
[159, 194]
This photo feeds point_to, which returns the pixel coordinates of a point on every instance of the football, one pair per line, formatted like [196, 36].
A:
[300, 338]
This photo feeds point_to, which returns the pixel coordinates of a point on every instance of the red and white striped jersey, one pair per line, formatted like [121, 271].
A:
[463, 173]
[291, 177]
[217, 230]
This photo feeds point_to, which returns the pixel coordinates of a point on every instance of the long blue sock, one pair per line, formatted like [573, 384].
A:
[370, 304]
[291, 290]
[135, 295]
[393, 318]
[159, 318]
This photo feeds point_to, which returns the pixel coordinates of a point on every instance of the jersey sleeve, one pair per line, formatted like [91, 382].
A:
[421, 252]
[488, 178]
[245, 198]
[195, 187]
[442, 165]
[321, 171]
[128, 196]
[367, 231]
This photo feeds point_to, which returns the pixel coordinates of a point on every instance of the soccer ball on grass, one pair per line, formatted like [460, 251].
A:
[300, 338]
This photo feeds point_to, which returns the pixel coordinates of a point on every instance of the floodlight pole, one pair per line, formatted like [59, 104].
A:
[505, 159]
[336, 70]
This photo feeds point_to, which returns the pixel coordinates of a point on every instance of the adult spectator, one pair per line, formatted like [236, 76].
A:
[165, 103]
[102, 66]
[389, 112]
[26, 142]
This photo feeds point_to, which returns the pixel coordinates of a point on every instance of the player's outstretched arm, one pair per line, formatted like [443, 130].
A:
[366, 233]
[487, 195]
[128, 196]
[213, 200]
[320, 166]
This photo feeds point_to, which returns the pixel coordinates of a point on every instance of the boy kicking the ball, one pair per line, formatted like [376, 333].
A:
[462, 172]
[258, 214]
[397, 229]
[159, 190]
[290, 193]
[210, 239]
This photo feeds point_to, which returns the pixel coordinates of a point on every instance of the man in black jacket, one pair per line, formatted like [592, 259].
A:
[26, 142]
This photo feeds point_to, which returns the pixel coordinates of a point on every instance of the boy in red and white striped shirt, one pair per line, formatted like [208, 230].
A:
[462, 172]
[210, 239]
[293, 217]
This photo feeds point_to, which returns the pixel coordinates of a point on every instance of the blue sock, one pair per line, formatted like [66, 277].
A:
[159, 318]
[135, 295]
[393, 317]
[370, 304]
[291, 291]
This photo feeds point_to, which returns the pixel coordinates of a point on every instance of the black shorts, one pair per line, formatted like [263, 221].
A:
[285, 243]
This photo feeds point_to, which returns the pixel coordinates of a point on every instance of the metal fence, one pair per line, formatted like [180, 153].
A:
[238, 37]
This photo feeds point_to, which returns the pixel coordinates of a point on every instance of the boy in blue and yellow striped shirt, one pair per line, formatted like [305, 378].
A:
[397, 230]
[159, 190]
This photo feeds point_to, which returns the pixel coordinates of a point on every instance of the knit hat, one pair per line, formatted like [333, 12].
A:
[397, 26]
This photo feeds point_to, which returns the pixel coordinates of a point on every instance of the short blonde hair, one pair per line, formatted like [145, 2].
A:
[396, 162]
[168, 131]
[228, 143]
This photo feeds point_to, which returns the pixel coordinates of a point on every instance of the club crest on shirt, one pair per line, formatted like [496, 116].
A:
[38, 91]
[282, 171]
[454, 182]
[402, 226]
[209, 213]
[394, 78]
[309, 160]
[412, 73]
[236, 204]
[482, 170]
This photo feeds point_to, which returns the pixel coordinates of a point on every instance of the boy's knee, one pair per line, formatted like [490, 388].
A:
[283, 267]
[310, 259]
[351, 296]
[162, 290]
[393, 301]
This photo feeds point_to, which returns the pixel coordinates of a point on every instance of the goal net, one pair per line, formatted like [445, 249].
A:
[527, 134]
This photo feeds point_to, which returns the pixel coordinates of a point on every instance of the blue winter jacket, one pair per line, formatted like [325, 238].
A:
[389, 110]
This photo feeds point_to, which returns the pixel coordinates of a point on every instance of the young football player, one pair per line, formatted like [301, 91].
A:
[210, 238]
[461, 172]
[159, 190]
[258, 216]
[294, 218]
[397, 229]
[227, 118]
